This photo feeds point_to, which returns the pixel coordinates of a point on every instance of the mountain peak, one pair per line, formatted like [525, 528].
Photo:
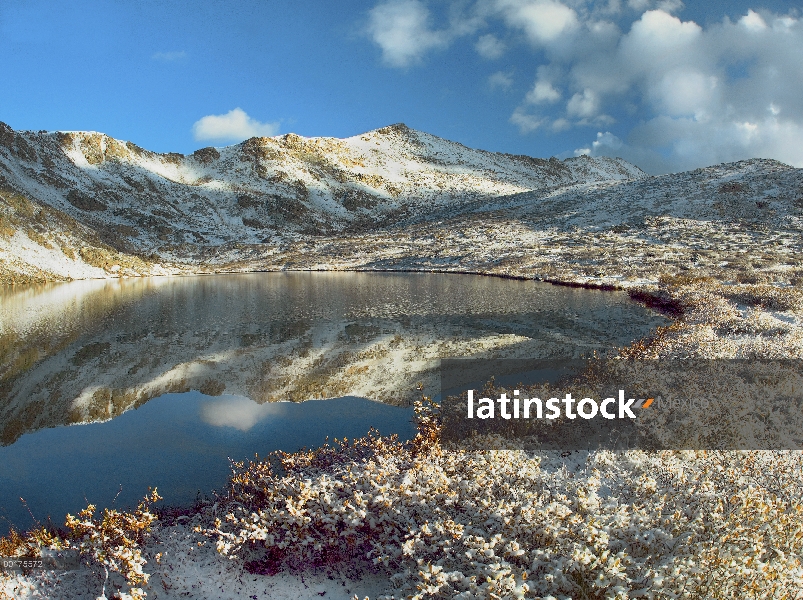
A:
[270, 187]
[399, 128]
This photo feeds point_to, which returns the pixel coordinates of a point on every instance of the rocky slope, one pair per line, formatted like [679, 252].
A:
[73, 203]
[76, 205]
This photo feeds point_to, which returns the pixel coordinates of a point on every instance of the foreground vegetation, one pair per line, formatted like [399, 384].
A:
[478, 522]
[481, 522]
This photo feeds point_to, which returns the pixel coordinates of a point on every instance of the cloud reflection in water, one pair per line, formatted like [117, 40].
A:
[238, 412]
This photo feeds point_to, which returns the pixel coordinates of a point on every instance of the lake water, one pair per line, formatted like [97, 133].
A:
[162, 380]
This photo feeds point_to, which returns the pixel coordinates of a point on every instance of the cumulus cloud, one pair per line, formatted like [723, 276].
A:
[663, 144]
[658, 41]
[604, 143]
[682, 95]
[542, 92]
[686, 92]
[489, 46]
[561, 124]
[701, 95]
[753, 21]
[526, 122]
[401, 28]
[664, 5]
[543, 21]
[404, 32]
[583, 104]
[235, 125]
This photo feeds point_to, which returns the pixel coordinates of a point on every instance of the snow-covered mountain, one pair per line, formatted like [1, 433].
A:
[84, 205]
[263, 189]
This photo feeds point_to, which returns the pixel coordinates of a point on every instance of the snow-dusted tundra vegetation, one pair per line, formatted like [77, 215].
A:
[717, 249]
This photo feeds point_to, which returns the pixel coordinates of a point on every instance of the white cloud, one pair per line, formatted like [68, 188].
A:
[725, 92]
[659, 40]
[560, 125]
[542, 92]
[404, 32]
[583, 105]
[401, 29]
[683, 95]
[235, 125]
[169, 56]
[693, 143]
[685, 143]
[603, 145]
[752, 21]
[669, 6]
[685, 92]
[500, 79]
[489, 46]
[612, 8]
[526, 122]
[543, 21]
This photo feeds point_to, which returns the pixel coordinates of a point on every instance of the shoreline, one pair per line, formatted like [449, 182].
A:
[708, 320]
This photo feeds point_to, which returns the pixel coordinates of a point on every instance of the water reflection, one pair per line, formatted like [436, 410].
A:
[179, 442]
[238, 412]
[90, 351]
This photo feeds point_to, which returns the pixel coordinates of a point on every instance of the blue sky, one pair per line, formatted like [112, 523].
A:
[666, 85]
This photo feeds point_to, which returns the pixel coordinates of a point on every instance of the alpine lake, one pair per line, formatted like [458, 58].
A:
[108, 387]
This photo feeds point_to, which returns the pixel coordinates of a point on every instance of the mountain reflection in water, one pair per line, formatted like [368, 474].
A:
[90, 351]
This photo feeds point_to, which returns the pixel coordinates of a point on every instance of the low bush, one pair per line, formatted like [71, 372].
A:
[28, 544]
[478, 522]
[114, 542]
[767, 296]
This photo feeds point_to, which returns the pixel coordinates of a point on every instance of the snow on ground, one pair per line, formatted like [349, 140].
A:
[718, 248]
[174, 205]
[190, 567]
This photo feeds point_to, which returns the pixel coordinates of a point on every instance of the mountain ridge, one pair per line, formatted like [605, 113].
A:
[79, 205]
[262, 190]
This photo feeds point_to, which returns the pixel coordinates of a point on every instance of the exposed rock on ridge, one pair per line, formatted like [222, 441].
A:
[263, 190]
[84, 205]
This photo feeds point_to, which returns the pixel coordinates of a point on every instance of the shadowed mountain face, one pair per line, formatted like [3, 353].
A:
[88, 189]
